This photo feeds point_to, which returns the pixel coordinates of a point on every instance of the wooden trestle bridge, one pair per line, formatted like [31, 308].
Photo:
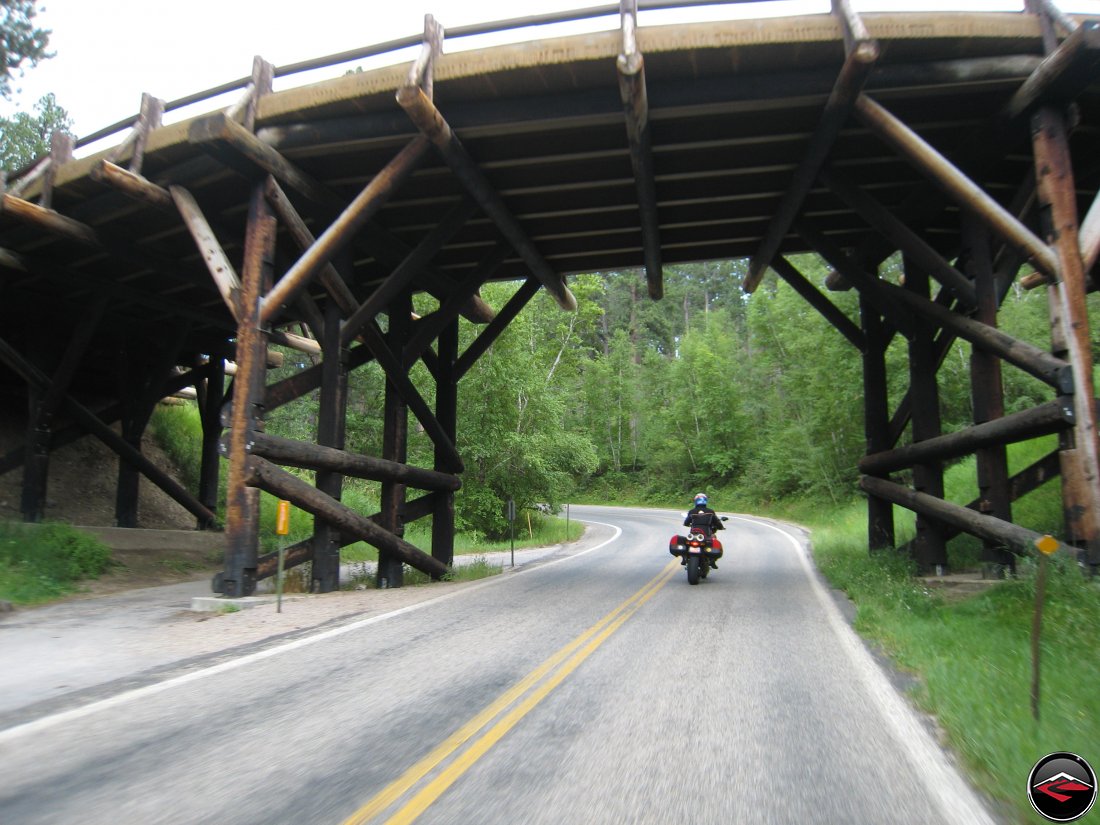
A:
[309, 217]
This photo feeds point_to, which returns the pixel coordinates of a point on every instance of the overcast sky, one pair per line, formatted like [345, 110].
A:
[110, 51]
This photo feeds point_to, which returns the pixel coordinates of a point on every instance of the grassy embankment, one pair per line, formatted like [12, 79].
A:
[972, 655]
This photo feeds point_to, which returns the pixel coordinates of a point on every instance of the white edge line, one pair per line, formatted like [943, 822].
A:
[46, 722]
[951, 792]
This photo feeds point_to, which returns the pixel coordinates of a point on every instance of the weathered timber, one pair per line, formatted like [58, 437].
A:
[246, 414]
[306, 381]
[88, 420]
[868, 284]
[987, 389]
[49, 221]
[133, 185]
[431, 123]
[218, 130]
[266, 476]
[849, 85]
[901, 236]
[209, 408]
[855, 32]
[395, 445]
[479, 345]
[789, 273]
[957, 185]
[217, 263]
[1051, 417]
[1063, 74]
[293, 453]
[1089, 236]
[880, 514]
[1044, 366]
[342, 230]
[331, 430]
[632, 90]
[1054, 174]
[398, 377]
[446, 412]
[298, 342]
[428, 328]
[401, 277]
[1018, 539]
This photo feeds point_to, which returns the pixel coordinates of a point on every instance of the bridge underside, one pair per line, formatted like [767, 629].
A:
[309, 218]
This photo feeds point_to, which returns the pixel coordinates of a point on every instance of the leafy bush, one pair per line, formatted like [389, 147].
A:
[43, 561]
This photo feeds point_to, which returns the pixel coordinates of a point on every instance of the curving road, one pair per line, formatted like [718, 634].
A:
[595, 687]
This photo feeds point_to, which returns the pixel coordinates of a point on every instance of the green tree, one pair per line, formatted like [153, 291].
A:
[25, 137]
[21, 41]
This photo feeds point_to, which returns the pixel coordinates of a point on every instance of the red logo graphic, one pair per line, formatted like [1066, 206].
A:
[1062, 787]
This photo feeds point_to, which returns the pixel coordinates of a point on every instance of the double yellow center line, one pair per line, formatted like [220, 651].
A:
[533, 688]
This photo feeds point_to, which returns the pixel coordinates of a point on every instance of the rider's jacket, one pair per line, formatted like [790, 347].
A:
[694, 512]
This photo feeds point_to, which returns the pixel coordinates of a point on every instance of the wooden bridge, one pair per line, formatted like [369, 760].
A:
[968, 141]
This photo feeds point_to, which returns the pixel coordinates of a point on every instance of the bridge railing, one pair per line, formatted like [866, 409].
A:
[392, 46]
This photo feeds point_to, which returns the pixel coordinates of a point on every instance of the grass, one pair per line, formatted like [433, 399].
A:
[39, 562]
[972, 656]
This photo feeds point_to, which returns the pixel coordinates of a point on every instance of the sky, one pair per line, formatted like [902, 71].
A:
[107, 52]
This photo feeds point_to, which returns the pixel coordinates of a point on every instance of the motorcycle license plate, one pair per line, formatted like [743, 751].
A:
[694, 550]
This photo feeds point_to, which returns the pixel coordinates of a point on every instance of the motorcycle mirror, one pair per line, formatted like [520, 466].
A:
[725, 518]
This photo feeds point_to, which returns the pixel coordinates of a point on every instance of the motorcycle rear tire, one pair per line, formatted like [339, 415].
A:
[693, 569]
[704, 568]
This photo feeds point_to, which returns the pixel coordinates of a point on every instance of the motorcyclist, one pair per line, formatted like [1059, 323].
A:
[699, 515]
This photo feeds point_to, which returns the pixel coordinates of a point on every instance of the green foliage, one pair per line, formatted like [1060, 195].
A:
[178, 431]
[21, 41]
[24, 137]
[43, 561]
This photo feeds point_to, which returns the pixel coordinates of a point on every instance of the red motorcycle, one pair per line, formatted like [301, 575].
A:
[698, 548]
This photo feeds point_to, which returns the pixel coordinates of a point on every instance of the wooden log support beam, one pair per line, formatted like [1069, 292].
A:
[1052, 417]
[868, 284]
[1057, 196]
[217, 262]
[1018, 539]
[252, 157]
[50, 221]
[395, 371]
[266, 476]
[1063, 74]
[402, 277]
[91, 423]
[293, 222]
[331, 431]
[857, 68]
[1089, 235]
[479, 345]
[1047, 368]
[431, 123]
[880, 513]
[429, 328]
[247, 411]
[789, 273]
[308, 380]
[632, 90]
[446, 411]
[343, 229]
[901, 236]
[149, 118]
[133, 185]
[945, 175]
[61, 152]
[289, 452]
[24, 182]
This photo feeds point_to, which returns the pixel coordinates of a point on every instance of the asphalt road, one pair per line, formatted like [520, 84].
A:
[594, 688]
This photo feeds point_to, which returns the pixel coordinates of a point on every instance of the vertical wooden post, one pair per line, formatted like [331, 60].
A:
[395, 430]
[242, 506]
[36, 462]
[1070, 337]
[331, 426]
[135, 418]
[987, 396]
[929, 545]
[446, 411]
[876, 419]
[210, 415]
[243, 502]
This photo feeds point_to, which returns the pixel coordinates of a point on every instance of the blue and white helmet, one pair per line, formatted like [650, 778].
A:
[700, 499]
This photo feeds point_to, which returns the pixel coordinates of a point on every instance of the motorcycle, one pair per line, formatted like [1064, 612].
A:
[697, 549]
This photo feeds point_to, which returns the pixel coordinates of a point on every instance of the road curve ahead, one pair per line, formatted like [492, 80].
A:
[594, 687]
